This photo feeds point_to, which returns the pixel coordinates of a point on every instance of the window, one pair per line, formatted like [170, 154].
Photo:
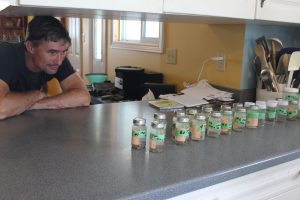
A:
[137, 35]
[99, 39]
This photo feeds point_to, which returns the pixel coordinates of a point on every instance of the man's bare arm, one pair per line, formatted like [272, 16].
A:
[74, 94]
[12, 104]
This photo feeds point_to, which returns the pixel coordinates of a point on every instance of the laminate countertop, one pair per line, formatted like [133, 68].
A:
[85, 153]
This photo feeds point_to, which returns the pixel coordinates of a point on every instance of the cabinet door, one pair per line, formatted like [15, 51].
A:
[278, 10]
[242, 9]
[150, 6]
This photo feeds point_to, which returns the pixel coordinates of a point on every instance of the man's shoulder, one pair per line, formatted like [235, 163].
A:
[10, 47]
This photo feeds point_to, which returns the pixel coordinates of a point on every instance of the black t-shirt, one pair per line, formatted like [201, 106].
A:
[14, 72]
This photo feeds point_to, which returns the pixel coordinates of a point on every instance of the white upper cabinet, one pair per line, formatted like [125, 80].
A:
[149, 6]
[278, 10]
[241, 9]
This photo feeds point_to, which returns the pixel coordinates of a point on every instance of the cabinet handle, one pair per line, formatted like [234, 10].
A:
[262, 3]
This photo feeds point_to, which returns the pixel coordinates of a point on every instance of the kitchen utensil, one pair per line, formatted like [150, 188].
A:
[282, 67]
[259, 51]
[294, 64]
[267, 78]
[275, 45]
[262, 41]
[257, 70]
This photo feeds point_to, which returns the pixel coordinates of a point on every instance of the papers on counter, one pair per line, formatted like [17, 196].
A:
[197, 94]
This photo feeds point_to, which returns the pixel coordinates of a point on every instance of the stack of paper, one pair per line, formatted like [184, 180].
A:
[198, 93]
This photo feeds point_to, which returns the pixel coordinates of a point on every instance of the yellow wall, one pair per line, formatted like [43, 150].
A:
[194, 43]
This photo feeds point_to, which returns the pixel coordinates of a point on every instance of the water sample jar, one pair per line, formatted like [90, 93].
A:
[182, 130]
[198, 127]
[239, 120]
[139, 132]
[252, 117]
[226, 122]
[282, 110]
[291, 94]
[225, 107]
[177, 114]
[191, 112]
[271, 112]
[161, 117]
[248, 104]
[235, 106]
[292, 110]
[157, 137]
[262, 106]
[214, 125]
[207, 112]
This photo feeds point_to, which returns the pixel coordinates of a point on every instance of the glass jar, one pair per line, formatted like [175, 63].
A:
[191, 112]
[235, 106]
[271, 112]
[207, 112]
[157, 137]
[182, 130]
[198, 127]
[225, 107]
[139, 132]
[239, 120]
[248, 104]
[292, 110]
[214, 125]
[161, 117]
[177, 114]
[226, 122]
[262, 106]
[291, 94]
[282, 110]
[252, 117]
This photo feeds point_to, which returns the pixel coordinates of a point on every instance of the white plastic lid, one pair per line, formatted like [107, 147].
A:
[291, 90]
[261, 103]
[283, 103]
[262, 106]
[248, 104]
[272, 103]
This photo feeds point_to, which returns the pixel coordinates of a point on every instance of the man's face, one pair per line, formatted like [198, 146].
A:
[48, 55]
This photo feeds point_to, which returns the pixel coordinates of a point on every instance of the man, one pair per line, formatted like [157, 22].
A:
[26, 67]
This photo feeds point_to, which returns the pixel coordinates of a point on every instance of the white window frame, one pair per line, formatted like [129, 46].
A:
[146, 45]
[99, 64]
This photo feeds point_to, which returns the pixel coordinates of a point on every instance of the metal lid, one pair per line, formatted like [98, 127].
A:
[159, 116]
[208, 109]
[139, 121]
[241, 109]
[157, 124]
[254, 107]
[183, 119]
[179, 113]
[294, 102]
[192, 111]
[248, 104]
[200, 116]
[227, 112]
[216, 114]
[226, 107]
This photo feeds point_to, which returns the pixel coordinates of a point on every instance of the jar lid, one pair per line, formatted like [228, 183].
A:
[226, 107]
[241, 109]
[227, 112]
[159, 116]
[200, 116]
[179, 113]
[208, 109]
[262, 106]
[283, 103]
[157, 124]
[254, 107]
[139, 121]
[183, 119]
[248, 104]
[272, 103]
[216, 114]
[291, 90]
[261, 103]
[192, 111]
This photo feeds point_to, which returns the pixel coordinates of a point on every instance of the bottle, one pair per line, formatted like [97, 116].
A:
[198, 127]
[262, 106]
[207, 112]
[191, 112]
[182, 130]
[291, 94]
[157, 137]
[292, 110]
[239, 120]
[281, 110]
[214, 125]
[271, 112]
[139, 132]
[177, 114]
[161, 117]
[252, 117]
[226, 122]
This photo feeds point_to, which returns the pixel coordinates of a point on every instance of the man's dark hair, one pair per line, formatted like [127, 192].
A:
[46, 28]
